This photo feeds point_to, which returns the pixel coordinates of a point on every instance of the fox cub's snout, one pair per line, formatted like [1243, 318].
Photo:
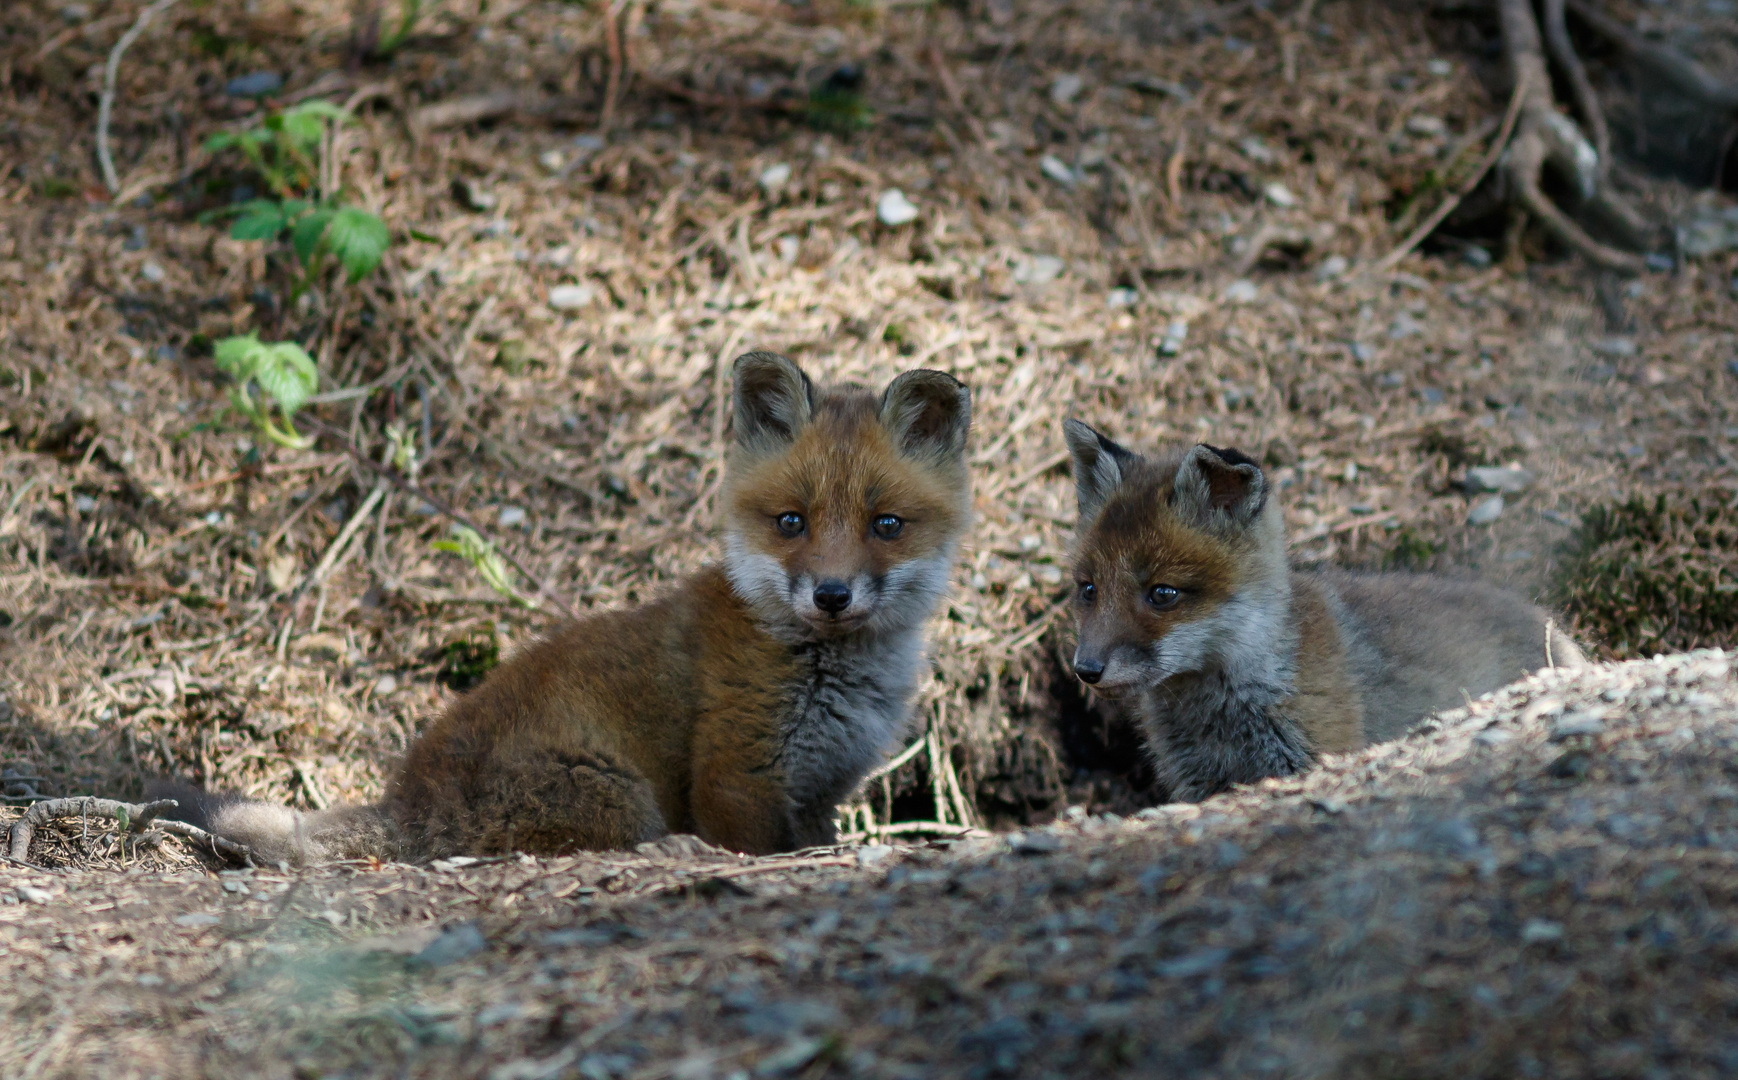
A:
[842, 513]
[1173, 559]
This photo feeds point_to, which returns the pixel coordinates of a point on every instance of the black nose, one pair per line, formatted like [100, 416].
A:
[1088, 671]
[832, 597]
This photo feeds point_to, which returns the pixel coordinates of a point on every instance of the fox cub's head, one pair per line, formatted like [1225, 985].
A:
[1179, 561]
[843, 510]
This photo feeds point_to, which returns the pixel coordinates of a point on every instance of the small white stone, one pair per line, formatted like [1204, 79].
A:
[1485, 511]
[1122, 297]
[1056, 169]
[570, 297]
[1426, 125]
[773, 177]
[1049, 575]
[385, 686]
[30, 894]
[1541, 931]
[1038, 270]
[552, 160]
[510, 516]
[1279, 195]
[1332, 267]
[1241, 291]
[873, 854]
[788, 247]
[1065, 88]
[152, 272]
[894, 209]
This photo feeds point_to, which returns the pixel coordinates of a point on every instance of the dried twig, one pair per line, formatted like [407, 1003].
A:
[106, 104]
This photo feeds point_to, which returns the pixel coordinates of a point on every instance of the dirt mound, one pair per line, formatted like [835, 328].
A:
[1543, 883]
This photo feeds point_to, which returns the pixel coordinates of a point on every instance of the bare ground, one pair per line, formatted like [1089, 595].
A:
[1540, 884]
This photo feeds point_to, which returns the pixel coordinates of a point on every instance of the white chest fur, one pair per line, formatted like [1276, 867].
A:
[853, 700]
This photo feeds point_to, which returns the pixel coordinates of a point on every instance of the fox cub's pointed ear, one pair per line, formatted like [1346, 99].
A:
[1098, 465]
[774, 399]
[928, 413]
[1217, 487]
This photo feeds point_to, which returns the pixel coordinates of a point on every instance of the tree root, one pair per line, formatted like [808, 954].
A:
[135, 817]
[1685, 75]
[1545, 137]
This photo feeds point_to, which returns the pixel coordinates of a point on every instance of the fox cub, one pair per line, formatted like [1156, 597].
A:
[743, 704]
[1237, 667]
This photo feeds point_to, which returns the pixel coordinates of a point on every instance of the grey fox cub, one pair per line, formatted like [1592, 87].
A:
[742, 704]
[1237, 667]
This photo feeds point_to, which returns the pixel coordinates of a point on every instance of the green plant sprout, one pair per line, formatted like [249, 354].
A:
[284, 147]
[284, 150]
[285, 376]
[469, 545]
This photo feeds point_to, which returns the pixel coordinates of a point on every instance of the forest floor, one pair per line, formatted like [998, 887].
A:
[1160, 220]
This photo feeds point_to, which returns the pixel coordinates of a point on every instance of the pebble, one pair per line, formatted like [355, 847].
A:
[385, 686]
[871, 855]
[257, 84]
[894, 209]
[1615, 347]
[1034, 843]
[1279, 195]
[1175, 334]
[455, 943]
[1065, 88]
[153, 273]
[1485, 511]
[1056, 169]
[30, 894]
[1038, 270]
[510, 516]
[1491, 478]
[1579, 722]
[570, 297]
[1241, 291]
[773, 178]
[1332, 267]
[1541, 931]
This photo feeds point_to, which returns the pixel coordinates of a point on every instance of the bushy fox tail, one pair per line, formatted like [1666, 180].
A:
[278, 834]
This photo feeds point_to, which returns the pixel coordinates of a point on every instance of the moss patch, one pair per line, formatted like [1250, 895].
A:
[1655, 575]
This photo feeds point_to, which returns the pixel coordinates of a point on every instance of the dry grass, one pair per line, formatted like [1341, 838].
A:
[142, 553]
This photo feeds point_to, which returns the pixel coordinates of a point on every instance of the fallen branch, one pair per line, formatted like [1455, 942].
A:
[404, 484]
[105, 106]
[134, 817]
[908, 828]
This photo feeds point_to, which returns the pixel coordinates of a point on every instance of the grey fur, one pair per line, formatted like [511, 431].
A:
[1417, 641]
[1212, 695]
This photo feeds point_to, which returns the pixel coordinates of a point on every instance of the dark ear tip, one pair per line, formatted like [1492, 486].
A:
[1233, 457]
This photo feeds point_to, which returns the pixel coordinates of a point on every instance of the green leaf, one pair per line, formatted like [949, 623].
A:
[305, 238]
[473, 548]
[237, 356]
[223, 140]
[359, 239]
[261, 219]
[307, 122]
[288, 374]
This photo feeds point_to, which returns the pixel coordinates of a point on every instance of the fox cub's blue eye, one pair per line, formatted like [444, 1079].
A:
[1088, 592]
[1163, 596]
[886, 526]
[791, 524]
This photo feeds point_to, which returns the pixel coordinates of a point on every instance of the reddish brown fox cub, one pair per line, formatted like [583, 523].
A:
[742, 705]
[1235, 666]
